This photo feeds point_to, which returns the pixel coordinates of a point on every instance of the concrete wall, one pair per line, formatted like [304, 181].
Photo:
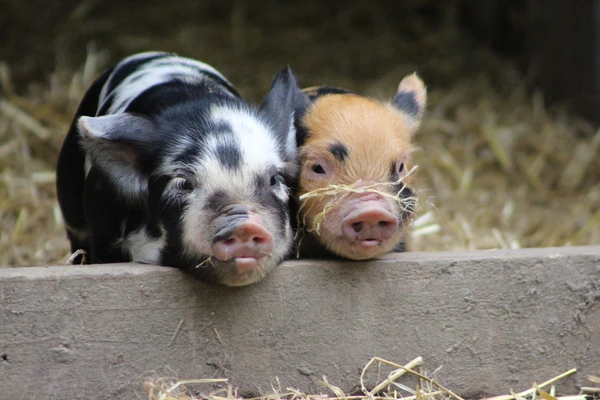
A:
[494, 320]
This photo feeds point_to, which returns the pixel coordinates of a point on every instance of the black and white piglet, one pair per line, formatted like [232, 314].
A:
[165, 164]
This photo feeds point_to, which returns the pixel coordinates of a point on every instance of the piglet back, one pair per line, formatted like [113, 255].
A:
[70, 174]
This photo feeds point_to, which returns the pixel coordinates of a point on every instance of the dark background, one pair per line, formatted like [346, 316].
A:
[553, 42]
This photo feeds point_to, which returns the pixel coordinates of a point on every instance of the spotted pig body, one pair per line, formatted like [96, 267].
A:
[362, 146]
[166, 164]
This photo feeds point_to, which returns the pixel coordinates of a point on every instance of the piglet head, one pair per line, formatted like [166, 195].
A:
[230, 219]
[355, 185]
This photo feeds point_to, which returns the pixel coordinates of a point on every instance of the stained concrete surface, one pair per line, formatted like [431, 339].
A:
[493, 320]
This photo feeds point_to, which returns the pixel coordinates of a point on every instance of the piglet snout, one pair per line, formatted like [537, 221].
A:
[370, 224]
[246, 242]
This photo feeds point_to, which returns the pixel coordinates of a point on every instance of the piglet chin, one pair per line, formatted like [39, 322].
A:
[368, 243]
[245, 258]
[243, 270]
[362, 250]
[249, 264]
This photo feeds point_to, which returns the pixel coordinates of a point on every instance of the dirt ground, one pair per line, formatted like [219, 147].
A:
[498, 167]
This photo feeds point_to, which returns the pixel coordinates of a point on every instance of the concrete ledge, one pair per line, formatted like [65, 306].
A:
[493, 319]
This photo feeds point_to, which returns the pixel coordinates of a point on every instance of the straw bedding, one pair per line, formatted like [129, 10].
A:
[497, 167]
[402, 382]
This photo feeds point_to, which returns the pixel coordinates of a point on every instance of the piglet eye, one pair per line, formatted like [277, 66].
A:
[183, 184]
[318, 169]
[401, 167]
[277, 178]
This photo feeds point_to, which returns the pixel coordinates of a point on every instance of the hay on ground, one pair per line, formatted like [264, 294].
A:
[397, 385]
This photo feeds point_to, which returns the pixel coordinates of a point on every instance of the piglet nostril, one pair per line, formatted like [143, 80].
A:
[249, 239]
[384, 224]
[370, 223]
[260, 239]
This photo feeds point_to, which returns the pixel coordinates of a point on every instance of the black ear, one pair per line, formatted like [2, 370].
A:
[120, 145]
[279, 107]
[411, 99]
[301, 104]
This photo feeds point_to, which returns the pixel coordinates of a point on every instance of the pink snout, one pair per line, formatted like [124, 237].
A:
[370, 225]
[248, 243]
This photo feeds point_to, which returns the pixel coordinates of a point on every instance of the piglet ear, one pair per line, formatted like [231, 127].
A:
[301, 104]
[119, 128]
[279, 107]
[125, 134]
[120, 145]
[411, 99]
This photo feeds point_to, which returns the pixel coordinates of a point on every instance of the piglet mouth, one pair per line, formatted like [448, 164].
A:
[246, 257]
[242, 239]
[371, 242]
[248, 264]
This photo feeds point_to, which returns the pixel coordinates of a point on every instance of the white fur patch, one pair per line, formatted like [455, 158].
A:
[144, 249]
[254, 137]
[153, 73]
[258, 148]
[196, 229]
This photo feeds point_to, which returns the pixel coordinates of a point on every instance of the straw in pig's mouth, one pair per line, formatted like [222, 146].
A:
[339, 192]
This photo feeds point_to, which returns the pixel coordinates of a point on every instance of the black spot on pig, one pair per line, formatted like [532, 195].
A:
[229, 155]
[189, 154]
[407, 102]
[125, 70]
[221, 82]
[339, 151]
[217, 200]
[106, 104]
[316, 92]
